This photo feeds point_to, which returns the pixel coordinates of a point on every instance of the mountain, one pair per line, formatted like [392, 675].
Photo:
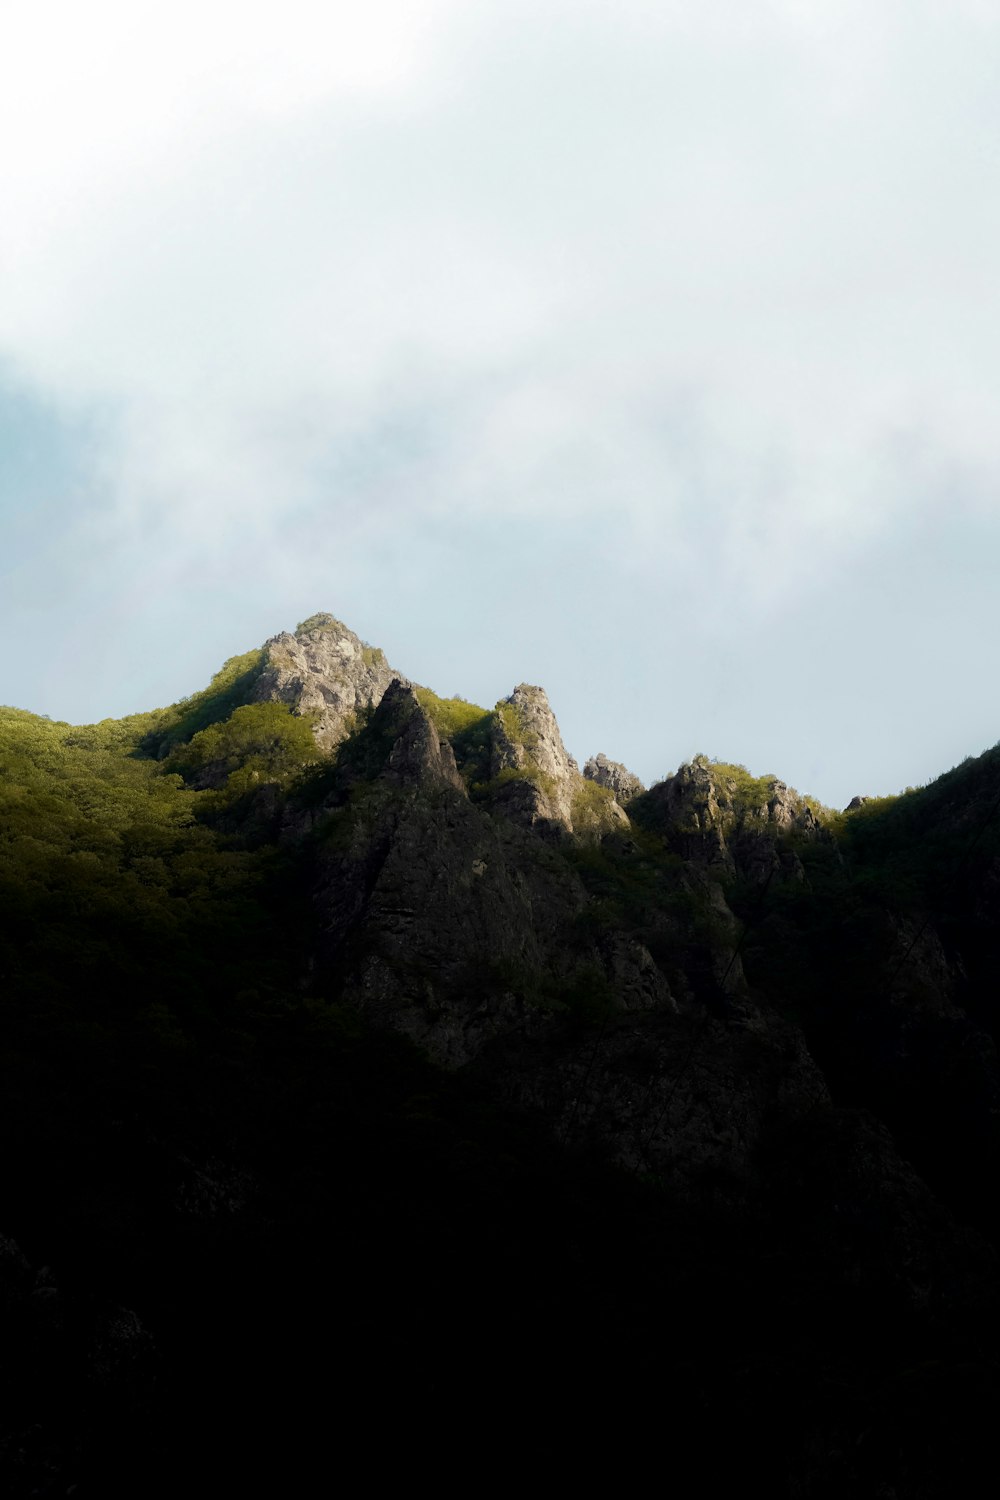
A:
[377, 1082]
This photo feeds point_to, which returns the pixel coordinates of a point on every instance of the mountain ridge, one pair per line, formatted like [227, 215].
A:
[315, 929]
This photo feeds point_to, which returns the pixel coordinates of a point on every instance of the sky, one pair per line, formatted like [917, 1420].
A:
[645, 351]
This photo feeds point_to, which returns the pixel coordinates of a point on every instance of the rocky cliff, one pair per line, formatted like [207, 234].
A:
[326, 672]
[406, 1033]
[619, 780]
[474, 921]
[459, 924]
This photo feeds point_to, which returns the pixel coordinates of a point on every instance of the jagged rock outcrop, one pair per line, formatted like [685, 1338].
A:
[528, 755]
[216, 1118]
[326, 670]
[686, 809]
[619, 780]
[419, 755]
[726, 821]
[441, 904]
[538, 783]
[458, 927]
[527, 735]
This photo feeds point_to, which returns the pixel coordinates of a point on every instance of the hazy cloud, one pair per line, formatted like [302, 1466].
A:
[705, 292]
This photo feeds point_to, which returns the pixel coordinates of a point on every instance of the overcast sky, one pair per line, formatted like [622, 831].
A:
[647, 351]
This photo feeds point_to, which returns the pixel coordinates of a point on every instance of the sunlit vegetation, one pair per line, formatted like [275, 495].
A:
[258, 742]
[505, 723]
[512, 776]
[321, 621]
[113, 886]
[925, 849]
[172, 1023]
[748, 793]
[590, 809]
[926, 843]
[751, 794]
[874, 807]
[450, 716]
[828, 816]
[466, 726]
[231, 687]
[512, 720]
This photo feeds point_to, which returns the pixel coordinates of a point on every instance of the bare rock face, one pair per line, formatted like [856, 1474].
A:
[617, 778]
[326, 670]
[542, 785]
[528, 753]
[466, 933]
[526, 734]
[688, 809]
[726, 820]
[440, 904]
[419, 755]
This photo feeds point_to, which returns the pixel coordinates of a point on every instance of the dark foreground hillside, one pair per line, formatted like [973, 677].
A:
[383, 1095]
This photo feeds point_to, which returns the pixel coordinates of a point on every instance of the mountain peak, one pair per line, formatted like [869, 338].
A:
[616, 777]
[546, 788]
[327, 671]
[527, 734]
[321, 621]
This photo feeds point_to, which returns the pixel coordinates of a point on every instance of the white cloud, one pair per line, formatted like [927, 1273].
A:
[715, 281]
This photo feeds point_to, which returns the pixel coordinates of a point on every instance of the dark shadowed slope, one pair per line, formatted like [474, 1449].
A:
[379, 1088]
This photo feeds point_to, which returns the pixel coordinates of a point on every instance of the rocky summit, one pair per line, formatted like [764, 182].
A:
[378, 1085]
[325, 673]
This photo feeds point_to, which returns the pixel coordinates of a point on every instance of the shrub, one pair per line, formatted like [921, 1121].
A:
[466, 726]
[591, 807]
[260, 740]
[450, 716]
[229, 688]
[748, 792]
[514, 727]
[322, 621]
[511, 774]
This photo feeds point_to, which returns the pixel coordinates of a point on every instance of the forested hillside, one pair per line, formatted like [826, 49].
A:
[374, 1081]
